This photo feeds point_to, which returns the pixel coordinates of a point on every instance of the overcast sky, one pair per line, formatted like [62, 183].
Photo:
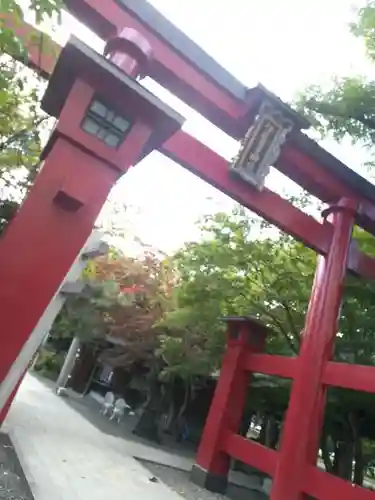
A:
[284, 45]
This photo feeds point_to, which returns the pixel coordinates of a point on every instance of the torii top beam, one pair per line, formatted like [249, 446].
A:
[186, 70]
[179, 64]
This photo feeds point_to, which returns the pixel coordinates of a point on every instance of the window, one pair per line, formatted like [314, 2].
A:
[103, 123]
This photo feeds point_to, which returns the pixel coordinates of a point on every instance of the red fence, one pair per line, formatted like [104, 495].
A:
[221, 440]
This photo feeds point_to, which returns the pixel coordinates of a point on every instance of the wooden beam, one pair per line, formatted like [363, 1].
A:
[211, 167]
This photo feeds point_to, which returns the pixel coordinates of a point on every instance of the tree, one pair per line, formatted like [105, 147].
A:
[21, 129]
[237, 270]
[21, 122]
[148, 281]
[348, 107]
[234, 271]
[42, 10]
[228, 274]
[146, 284]
[122, 300]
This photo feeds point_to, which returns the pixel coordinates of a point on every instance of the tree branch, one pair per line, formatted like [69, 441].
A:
[18, 135]
[280, 327]
[294, 332]
[329, 109]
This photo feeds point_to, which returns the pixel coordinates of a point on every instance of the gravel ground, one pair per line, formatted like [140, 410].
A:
[13, 484]
[179, 482]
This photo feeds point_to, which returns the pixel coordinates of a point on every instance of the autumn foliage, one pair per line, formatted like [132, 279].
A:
[145, 289]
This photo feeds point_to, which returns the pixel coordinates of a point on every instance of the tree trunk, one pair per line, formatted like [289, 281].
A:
[343, 464]
[181, 416]
[245, 424]
[69, 363]
[263, 429]
[326, 455]
[170, 416]
[280, 434]
[168, 409]
[359, 467]
[272, 432]
[148, 425]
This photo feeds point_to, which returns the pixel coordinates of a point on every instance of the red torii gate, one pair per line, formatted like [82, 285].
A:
[183, 68]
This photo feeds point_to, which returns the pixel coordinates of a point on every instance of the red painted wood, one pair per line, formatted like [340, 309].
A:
[197, 91]
[249, 452]
[5, 410]
[43, 239]
[70, 119]
[294, 163]
[40, 219]
[168, 68]
[43, 52]
[47, 240]
[280, 366]
[324, 486]
[229, 398]
[355, 377]
[213, 168]
[325, 185]
[304, 414]
[304, 170]
[317, 421]
[190, 152]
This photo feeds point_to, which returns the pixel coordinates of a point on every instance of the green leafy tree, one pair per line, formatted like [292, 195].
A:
[234, 271]
[238, 270]
[22, 124]
[123, 298]
[42, 10]
[347, 108]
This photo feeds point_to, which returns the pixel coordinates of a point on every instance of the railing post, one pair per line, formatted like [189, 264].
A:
[245, 335]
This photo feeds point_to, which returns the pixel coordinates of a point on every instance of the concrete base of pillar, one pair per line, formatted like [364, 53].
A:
[209, 481]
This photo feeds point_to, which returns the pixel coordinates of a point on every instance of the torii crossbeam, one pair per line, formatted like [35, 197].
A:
[271, 136]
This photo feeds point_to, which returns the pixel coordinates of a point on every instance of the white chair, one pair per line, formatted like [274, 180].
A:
[119, 410]
[107, 404]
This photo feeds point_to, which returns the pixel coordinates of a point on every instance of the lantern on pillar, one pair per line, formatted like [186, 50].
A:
[103, 109]
[106, 123]
[272, 122]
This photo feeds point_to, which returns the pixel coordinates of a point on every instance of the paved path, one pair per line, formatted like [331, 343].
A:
[65, 457]
[170, 455]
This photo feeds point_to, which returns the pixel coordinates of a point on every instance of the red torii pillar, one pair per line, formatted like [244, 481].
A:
[304, 418]
[106, 122]
[245, 337]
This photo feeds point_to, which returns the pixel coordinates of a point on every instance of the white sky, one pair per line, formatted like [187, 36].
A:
[285, 45]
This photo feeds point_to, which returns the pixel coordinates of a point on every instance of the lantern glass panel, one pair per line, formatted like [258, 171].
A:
[105, 124]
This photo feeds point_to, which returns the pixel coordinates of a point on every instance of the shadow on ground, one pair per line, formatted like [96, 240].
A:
[179, 481]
